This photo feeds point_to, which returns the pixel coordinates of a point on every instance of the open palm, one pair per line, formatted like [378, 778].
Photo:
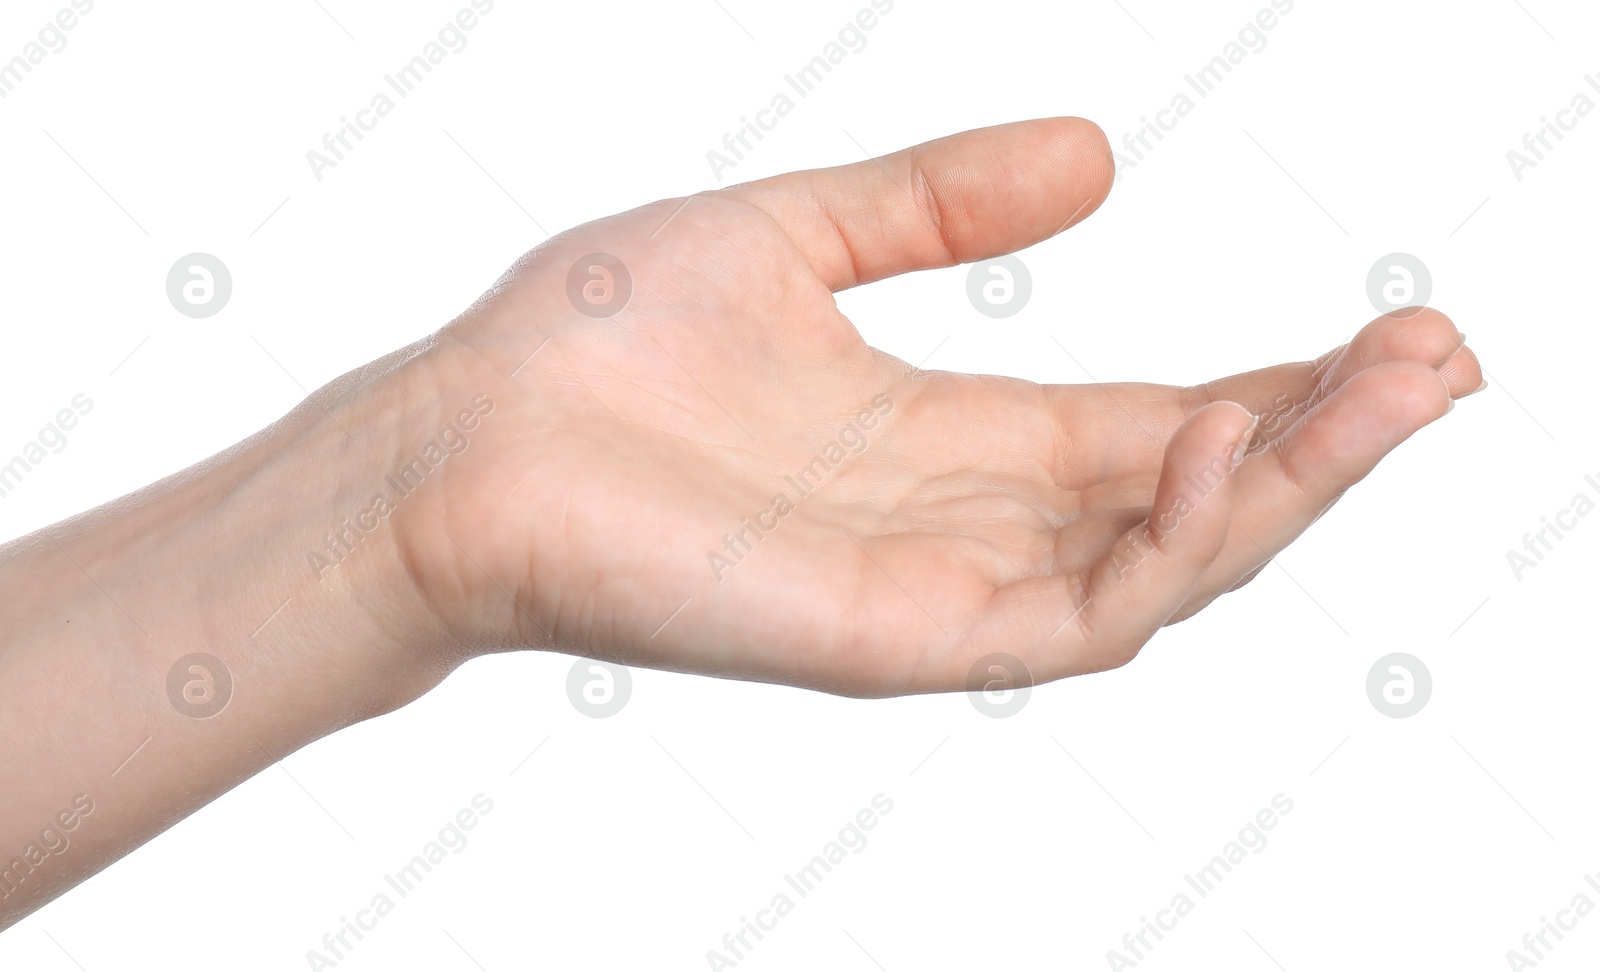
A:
[710, 471]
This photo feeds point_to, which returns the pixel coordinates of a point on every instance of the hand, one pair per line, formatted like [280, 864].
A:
[720, 478]
[648, 487]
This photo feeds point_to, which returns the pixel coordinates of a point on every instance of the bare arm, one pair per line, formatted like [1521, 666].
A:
[657, 441]
[161, 649]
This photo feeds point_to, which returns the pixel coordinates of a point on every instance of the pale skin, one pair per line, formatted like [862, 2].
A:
[1054, 523]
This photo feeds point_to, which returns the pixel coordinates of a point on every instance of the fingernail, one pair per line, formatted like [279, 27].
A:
[1478, 389]
[1448, 394]
[1455, 351]
[1242, 449]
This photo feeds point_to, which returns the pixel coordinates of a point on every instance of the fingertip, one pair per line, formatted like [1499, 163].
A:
[1196, 481]
[1340, 441]
[1094, 152]
[1402, 396]
[1422, 334]
[1148, 573]
[958, 199]
[1225, 426]
[1462, 374]
[1077, 155]
[1251, 420]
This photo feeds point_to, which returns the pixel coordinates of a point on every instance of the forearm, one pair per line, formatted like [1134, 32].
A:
[105, 745]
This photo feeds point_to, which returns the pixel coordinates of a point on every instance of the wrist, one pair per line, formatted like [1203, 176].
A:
[185, 635]
[268, 557]
[328, 495]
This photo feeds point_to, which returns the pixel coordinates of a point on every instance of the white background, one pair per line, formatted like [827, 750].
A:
[1364, 127]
